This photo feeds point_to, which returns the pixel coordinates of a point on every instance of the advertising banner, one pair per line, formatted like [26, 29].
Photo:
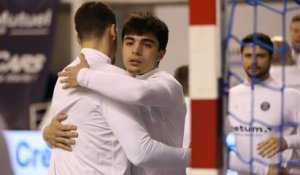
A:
[26, 34]
[28, 152]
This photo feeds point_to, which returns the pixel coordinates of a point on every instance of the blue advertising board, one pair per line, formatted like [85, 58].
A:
[28, 151]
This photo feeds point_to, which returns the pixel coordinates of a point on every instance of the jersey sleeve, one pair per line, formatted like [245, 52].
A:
[293, 102]
[236, 164]
[158, 90]
[140, 149]
[293, 140]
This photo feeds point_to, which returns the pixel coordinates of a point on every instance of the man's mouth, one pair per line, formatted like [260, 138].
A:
[135, 62]
[253, 69]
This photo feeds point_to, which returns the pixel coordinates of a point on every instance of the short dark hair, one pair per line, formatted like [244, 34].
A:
[182, 76]
[260, 39]
[143, 23]
[296, 18]
[92, 18]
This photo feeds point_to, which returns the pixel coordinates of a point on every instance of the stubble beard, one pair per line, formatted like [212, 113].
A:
[259, 76]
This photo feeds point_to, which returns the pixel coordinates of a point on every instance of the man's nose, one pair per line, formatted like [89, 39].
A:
[254, 60]
[254, 63]
[137, 49]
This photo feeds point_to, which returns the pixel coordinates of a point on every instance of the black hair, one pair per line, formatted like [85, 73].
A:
[92, 18]
[296, 18]
[144, 23]
[260, 39]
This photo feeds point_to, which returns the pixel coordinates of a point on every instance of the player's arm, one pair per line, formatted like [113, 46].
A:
[139, 147]
[58, 135]
[292, 119]
[293, 140]
[157, 91]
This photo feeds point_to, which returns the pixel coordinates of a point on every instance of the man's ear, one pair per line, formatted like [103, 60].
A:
[113, 31]
[78, 39]
[161, 54]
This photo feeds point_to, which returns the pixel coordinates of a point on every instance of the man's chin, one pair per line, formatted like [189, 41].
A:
[134, 71]
[252, 76]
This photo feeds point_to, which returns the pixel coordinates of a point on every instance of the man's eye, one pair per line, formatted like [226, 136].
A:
[248, 56]
[147, 45]
[262, 56]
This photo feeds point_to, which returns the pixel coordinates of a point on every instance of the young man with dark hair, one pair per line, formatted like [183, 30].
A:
[264, 119]
[144, 40]
[111, 133]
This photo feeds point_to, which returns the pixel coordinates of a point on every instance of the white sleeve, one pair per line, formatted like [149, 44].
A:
[156, 91]
[236, 164]
[293, 140]
[140, 149]
[187, 125]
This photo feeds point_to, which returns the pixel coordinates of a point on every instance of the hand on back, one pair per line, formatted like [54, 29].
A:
[58, 135]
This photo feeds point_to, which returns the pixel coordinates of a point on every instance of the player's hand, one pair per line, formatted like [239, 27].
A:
[277, 171]
[69, 74]
[58, 135]
[271, 146]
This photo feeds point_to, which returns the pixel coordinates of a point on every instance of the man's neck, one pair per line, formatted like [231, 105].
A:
[134, 74]
[97, 45]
